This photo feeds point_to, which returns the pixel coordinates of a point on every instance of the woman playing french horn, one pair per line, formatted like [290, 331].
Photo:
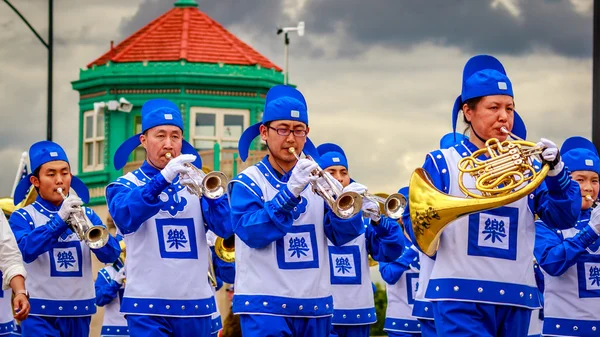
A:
[482, 282]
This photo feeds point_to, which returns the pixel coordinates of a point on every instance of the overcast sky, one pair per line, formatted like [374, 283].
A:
[380, 77]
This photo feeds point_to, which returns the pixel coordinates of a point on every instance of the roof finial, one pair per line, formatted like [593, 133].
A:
[186, 3]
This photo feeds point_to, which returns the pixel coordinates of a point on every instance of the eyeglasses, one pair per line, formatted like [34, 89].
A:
[286, 132]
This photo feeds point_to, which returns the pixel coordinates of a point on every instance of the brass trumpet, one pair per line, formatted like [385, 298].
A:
[595, 202]
[93, 236]
[212, 185]
[344, 205]
[500, 179]
[393, 205]
[225, 249]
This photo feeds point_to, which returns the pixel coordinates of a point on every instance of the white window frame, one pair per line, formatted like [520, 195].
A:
[95, 140]
[219, 121]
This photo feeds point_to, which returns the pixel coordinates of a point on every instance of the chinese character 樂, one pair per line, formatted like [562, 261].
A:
[298, 246]
[595, 275]
[495, 230]
[176, 238]
[342, 264]
[65, 259]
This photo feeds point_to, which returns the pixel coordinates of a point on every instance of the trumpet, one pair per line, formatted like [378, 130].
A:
[225, 249]
[344, 205]
[595, 203]
[393, 205]
[93, 236]
[212, 185]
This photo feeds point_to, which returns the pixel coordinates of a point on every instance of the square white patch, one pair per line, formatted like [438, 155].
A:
[298, 247]
[589, 162]
[53, 154]
[295, 113]
[502, 86]
[592, 276]
[66, 259]
[176, 239]
[494, 231]
[343, 265]
[335, 159]
[168, 116]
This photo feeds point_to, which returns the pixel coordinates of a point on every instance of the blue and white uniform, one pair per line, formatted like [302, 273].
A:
[401, 278]
[164, 226]
[282, 264]
[59, 265]
[570, 260]
[7, 321]
[224, 272]
[494, 296]
[353, 301]
[109, 294]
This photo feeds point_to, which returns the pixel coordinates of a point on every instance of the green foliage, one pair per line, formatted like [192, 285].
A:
[380, 307]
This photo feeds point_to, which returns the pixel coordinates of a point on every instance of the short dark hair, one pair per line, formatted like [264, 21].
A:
[36, 173]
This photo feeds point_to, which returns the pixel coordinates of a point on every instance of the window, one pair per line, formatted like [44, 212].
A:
[93, 141]
[139, 153]
[212, 125]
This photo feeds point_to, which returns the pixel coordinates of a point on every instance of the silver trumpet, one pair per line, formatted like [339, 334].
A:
[393, 205]
[344, 205]
[93, 236]
[212, 185]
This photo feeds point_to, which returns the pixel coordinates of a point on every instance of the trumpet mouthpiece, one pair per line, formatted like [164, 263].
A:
[505, 130]
[59, 190]
[588, 198]
[291, 150]
[168, 155]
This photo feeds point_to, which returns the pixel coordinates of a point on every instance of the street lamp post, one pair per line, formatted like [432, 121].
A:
[286, 30]
[50, 46]
[596, 77]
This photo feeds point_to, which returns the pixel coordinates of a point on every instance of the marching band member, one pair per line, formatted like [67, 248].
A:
[110, 286]
[570, 258]
[12, 277]
[58, 263]
[494, 296]
[164, 229]
[401, 278]
[282, 266]
[537, 316]
[354, 306]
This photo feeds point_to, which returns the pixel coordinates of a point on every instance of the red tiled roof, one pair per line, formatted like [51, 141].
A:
[184, 33]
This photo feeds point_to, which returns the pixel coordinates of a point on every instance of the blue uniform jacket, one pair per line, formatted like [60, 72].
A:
[35, 241]
[259, 223]
[130, 207]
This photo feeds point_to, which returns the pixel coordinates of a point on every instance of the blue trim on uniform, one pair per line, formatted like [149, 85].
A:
[66, 261]
[538, 335]
[570, 327]
[248, 183]
[483, 291]
[282, 306]
[489, 241]
[163, 307]
[402, 325]
[410, 292]
[422, 309]
[61, 308]
[215, 325]
[7, 328]
[354, 316]
[114, 330]
[352, 250]
[442, 166]
[269, 175]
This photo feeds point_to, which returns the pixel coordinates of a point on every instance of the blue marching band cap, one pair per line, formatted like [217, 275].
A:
[331, 155]
[155, 112]
[580, 154]
[41, 153]
[483, 75]
[282, 103]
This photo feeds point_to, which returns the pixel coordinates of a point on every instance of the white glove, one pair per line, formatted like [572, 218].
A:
[120, 276]
[368, 205]
[176, 166]
[323, 183]
[70, 205]
[595, 220]
[551, 156]
[301, 176]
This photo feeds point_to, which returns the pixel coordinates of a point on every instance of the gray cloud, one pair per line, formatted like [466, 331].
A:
[473, 26]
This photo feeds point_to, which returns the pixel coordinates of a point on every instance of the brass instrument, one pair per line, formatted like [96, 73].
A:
[595, 202]
[8, 205]
[392, 206]
[508, 175]
[344, 205]
[120, 263]
[212, 185]
[225, 249]
[372, 262]
[93, 236]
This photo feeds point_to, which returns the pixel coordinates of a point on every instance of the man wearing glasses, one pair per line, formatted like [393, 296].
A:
[282, 266]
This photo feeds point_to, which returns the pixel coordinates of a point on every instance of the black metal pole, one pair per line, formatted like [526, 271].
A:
[50, 63]
[596, 78]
